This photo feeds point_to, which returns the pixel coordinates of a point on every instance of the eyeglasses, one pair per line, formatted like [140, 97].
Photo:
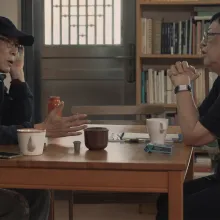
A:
[10, 43]
[208, 36]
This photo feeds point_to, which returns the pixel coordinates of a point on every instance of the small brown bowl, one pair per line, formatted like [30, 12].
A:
[96, 138]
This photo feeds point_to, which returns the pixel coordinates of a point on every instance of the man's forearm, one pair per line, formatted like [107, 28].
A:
[187, 112]
[17, 73]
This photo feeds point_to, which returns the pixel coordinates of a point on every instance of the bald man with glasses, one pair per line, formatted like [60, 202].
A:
[199, 127]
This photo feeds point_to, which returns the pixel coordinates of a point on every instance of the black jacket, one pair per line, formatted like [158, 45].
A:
[15, 110]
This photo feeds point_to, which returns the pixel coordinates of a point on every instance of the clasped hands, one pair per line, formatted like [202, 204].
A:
[182, 73]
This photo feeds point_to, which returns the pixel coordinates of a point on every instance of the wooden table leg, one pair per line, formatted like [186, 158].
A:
[175, 195]
[51, 216]
[140, 208]
[190, 171]
[70, 200]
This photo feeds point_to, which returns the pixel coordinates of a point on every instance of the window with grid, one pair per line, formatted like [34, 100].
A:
[82, 22]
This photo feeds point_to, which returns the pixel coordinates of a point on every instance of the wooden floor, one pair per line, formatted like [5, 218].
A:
[104, 211]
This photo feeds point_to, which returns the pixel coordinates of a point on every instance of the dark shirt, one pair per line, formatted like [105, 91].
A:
[15, 110]
[209, 112]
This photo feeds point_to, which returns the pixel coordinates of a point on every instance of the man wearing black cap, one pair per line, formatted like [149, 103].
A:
[16, 112]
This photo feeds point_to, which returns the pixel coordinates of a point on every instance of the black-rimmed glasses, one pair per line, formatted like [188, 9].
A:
[10, 43]
[208, 36]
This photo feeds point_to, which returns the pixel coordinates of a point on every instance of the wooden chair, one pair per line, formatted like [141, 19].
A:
[136, 110]
[126, 110]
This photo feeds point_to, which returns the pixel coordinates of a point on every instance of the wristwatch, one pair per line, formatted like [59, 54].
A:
[181, 88]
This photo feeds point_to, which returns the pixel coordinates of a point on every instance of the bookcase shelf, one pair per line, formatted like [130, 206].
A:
[171, 21]
[170, 56]
[199, 150]
[170, 106]
[179, 2]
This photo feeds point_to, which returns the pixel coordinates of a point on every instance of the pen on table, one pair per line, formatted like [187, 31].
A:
[122, 135]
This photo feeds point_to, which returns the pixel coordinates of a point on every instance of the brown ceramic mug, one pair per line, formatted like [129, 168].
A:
[96, 138]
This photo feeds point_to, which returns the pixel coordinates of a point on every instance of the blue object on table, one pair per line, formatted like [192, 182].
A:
[159, 148]
[180, 138]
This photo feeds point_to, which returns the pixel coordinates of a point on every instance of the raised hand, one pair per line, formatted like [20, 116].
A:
[17, 71]
[57, 126]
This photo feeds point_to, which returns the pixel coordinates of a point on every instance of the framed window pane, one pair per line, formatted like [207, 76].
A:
[82, 22]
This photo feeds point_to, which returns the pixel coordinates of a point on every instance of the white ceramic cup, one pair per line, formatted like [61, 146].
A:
[157, 128]
[31, 141]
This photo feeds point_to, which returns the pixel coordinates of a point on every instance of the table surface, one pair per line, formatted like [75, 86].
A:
[117, 156]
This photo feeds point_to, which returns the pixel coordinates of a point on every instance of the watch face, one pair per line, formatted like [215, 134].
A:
[182, 87]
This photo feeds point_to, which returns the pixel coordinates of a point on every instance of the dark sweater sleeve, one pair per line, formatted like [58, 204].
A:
[8, 134]
[18, 106]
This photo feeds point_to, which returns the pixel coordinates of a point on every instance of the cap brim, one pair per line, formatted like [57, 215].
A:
[23, 38]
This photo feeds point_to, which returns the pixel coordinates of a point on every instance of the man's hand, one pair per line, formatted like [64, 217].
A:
[57, 126]
[182, 74]
[17, 71]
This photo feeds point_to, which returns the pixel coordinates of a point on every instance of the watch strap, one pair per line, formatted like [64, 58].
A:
[181, 88]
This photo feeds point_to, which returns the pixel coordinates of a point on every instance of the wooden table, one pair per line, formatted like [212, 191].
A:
[119, 168]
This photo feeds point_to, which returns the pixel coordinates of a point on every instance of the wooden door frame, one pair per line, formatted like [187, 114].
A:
[31, 19]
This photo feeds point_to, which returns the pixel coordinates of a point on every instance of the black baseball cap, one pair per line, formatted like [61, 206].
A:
[8, 29]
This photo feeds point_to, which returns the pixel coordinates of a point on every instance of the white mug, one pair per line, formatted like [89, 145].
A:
[31, 141]
[157, 128]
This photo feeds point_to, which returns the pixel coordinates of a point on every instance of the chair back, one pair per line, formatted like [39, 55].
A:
[106, 112]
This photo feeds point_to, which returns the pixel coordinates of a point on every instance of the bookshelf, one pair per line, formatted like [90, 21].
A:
[168, 31]
[169, 56]
[168, 11]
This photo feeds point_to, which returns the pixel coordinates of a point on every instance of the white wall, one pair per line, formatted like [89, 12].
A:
[12, 10]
